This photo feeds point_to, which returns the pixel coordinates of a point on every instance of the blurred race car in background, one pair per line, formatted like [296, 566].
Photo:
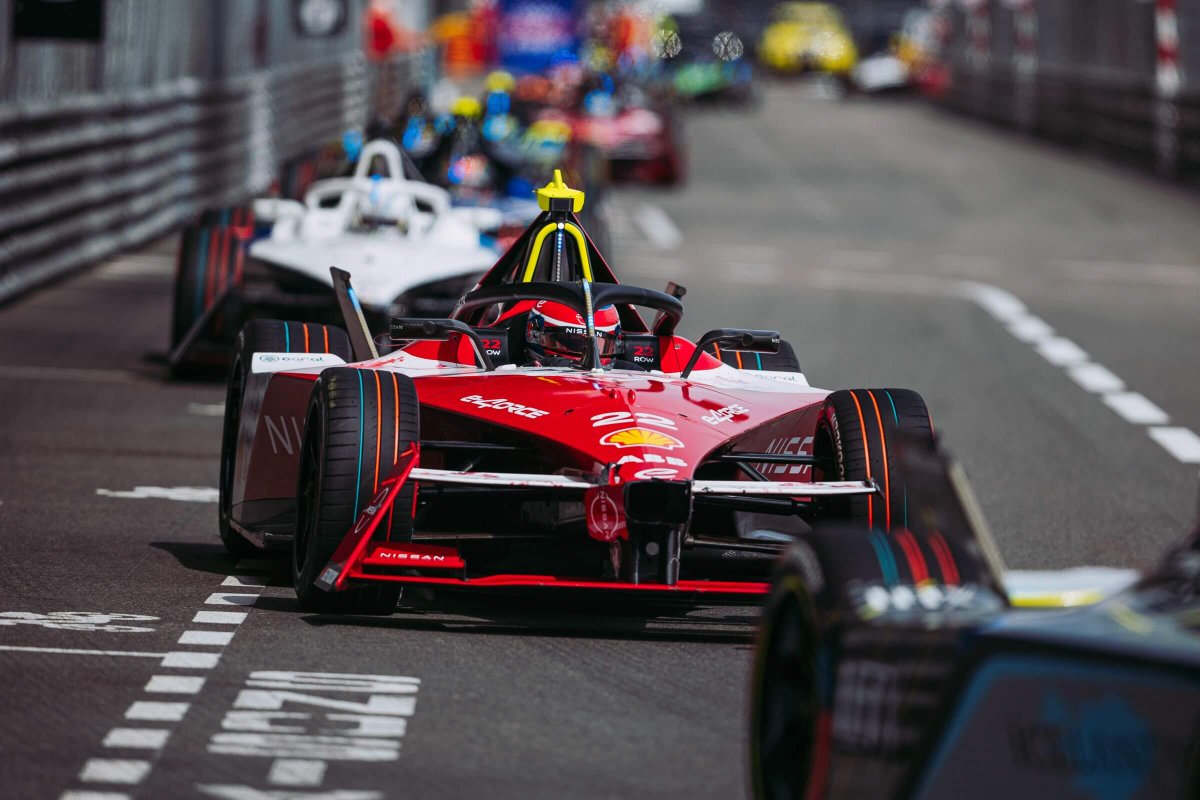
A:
[905, 663]
[545, 436]
[807, 37]
[412, 252]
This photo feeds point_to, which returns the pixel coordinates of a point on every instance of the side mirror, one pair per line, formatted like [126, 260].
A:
[740, 340]
[407, 329]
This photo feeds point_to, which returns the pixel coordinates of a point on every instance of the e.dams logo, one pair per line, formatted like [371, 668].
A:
[640, 437]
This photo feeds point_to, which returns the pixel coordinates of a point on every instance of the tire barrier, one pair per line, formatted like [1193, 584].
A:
[88, 176]
[1123, 75]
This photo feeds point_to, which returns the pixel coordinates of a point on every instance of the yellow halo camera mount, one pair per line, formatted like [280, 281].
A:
[557, 196]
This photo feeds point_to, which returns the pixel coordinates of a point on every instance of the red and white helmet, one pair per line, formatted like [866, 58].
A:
[555, 330]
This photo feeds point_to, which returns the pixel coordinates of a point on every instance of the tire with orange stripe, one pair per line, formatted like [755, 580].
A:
[359, 422]
[212, 255]
[263, 336]
[855, 434]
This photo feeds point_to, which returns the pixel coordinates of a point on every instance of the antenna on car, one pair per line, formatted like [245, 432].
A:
[356, 324]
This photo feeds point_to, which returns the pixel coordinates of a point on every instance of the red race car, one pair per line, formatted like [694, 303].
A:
[544, 436]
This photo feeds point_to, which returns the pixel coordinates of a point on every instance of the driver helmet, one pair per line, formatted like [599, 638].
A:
[558, 331]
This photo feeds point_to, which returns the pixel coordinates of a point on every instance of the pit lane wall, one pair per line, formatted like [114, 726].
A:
[177, 106]
[1122, 74]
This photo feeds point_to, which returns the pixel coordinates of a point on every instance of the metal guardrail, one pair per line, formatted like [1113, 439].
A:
[84, 177]
[1123, 74]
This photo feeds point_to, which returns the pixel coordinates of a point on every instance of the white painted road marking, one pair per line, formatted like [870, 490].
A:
[220, 617]
[114, 770]
[174, 684]
[1179, 442]
[137, 738]
[78, 621]
[71, 651]
[183, 494]
[658, 227]
[296, 772]
[131, 771]
[217, 638]
[153, 710]
[247, 581]
[1061, 352]
[1135, 408]
[1095, 378]
[231, 599]
[88, 795]
[207, 409]
[185, 659]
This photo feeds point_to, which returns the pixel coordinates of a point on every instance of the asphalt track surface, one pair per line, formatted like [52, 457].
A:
[888, 241]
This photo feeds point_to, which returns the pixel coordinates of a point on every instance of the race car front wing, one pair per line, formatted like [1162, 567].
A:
[358, 558]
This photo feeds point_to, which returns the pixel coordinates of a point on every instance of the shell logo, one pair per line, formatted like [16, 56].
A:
[640, 437]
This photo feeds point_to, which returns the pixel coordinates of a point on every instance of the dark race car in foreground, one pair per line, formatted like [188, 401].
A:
[459, 460]
[896, 665]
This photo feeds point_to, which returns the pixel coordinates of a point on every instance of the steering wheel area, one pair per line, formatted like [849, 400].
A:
[583, 297]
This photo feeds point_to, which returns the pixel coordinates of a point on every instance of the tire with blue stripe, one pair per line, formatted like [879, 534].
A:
[358, 422]
[262, 336]
[854, 436]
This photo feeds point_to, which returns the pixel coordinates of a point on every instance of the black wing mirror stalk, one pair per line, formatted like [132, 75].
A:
[409, 329]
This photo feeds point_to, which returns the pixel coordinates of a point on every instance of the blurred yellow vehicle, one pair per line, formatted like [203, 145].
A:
[807, 37]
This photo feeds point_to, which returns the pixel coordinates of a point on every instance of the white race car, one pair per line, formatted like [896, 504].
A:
[411, 253]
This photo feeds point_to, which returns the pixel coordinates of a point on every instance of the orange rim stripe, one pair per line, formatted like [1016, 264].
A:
[887, 483]
[717, 350]
[739, 358]
[325, 330]
[305, 337]
[378, 424]
[867, 454]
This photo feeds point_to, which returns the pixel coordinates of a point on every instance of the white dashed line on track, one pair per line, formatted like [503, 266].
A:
[1181, 443]
[658, 227]
[137, 738]
[1135, 408]
[156, 711]
[174, 684]
[152, 734]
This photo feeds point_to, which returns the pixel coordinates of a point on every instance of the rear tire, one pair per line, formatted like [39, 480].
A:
[352, 415]
[211, 259]
[261, 336]
[854, 433]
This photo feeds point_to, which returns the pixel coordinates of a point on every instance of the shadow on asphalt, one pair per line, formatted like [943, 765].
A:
[209, 558]
[529, 616]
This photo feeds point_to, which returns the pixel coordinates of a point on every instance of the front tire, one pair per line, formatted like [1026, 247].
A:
[358, 423]
[855, 433]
